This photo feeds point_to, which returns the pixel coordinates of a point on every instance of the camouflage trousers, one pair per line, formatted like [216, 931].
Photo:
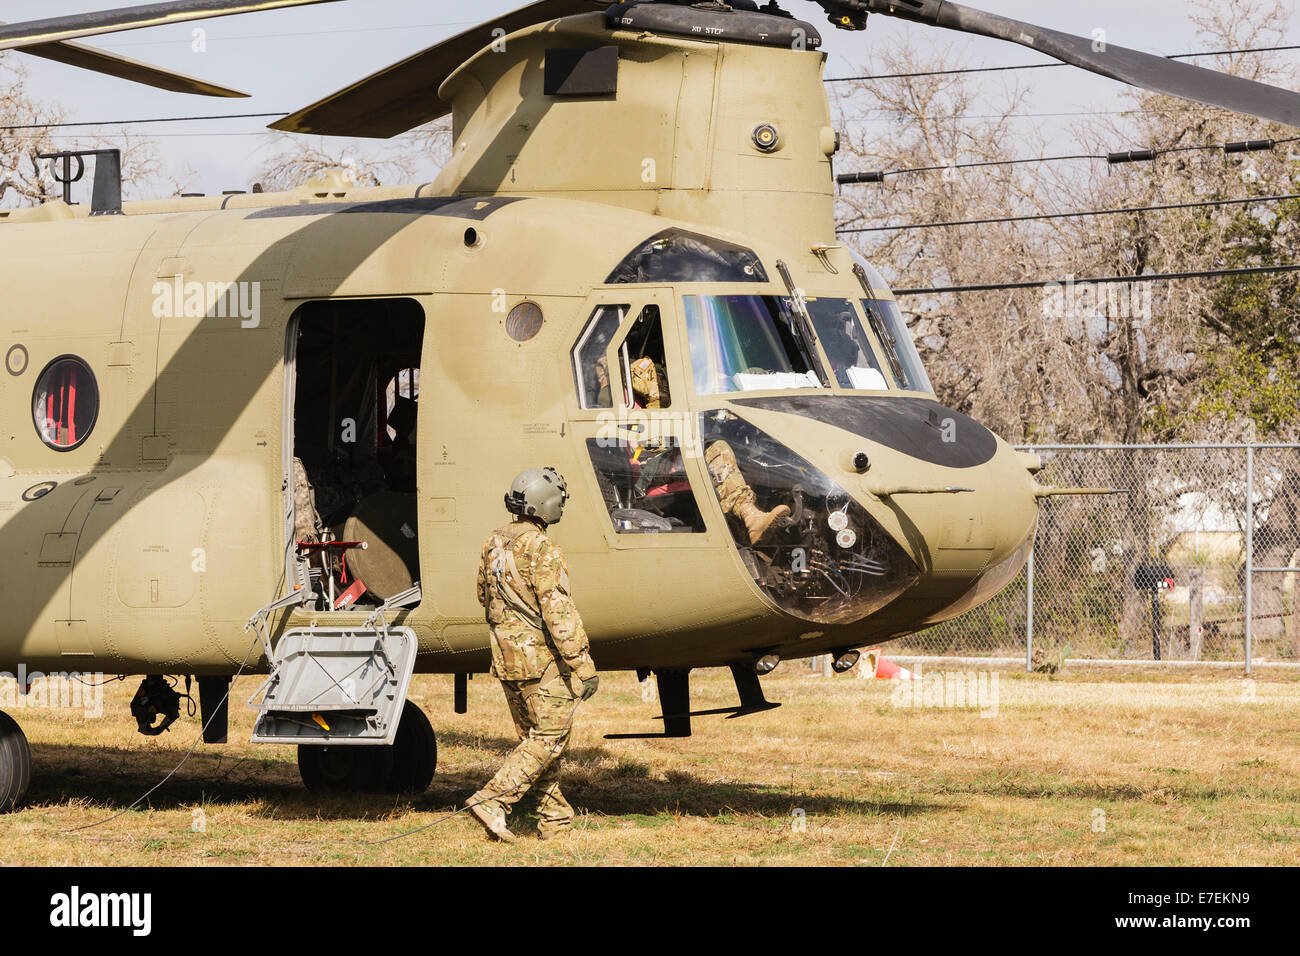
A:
[733, 490]
[543, 714]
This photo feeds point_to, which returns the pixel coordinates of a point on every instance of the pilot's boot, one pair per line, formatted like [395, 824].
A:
[758, 522]
[736, 495]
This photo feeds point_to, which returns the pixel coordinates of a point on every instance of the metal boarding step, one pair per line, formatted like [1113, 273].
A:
[336, 686]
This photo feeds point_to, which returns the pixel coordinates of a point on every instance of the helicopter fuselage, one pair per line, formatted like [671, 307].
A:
[148, 545]
[618, 203]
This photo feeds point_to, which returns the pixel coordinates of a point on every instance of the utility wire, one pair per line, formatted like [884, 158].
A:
[1083, 214]
[847, 179]
[1041, 66]
[1104, 280]
[277, 115]
[1116, 158]
[894, 114]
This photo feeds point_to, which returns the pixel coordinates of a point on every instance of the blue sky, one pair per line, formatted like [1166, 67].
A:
[290, 58]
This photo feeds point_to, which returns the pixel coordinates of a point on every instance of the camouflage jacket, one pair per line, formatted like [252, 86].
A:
[523, 585]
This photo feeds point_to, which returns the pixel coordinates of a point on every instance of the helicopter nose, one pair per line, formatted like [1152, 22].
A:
[968, 530]
[957, 522]
[938, 496]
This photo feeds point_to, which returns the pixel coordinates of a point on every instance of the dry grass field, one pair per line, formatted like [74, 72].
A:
[1088, 769]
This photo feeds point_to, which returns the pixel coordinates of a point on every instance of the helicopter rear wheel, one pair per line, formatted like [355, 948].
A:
[345, 769]
[15, 764]
[415, 753]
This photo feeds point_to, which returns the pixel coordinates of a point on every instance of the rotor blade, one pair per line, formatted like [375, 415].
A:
[111, 64]
[37, 32]
[405, 95]
[1144, 70]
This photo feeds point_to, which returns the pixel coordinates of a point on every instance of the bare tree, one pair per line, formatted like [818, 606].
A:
[1194, 360]
[27, 129]
[1089, 363]
[302, 158]
[25, 180]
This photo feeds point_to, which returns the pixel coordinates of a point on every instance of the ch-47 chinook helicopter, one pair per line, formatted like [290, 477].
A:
[303, 408]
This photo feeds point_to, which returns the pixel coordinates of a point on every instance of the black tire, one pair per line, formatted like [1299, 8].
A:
[415, 753]
[15, 764]
[345, 769]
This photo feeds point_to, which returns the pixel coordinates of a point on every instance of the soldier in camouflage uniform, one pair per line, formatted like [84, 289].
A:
[650, 386]
[540, 654]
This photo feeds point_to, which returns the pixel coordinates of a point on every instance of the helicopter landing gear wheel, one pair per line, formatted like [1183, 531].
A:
[415, 753]
[15, 764]
[345, 769]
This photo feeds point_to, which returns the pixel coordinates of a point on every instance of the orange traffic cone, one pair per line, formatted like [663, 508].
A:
[877, 666]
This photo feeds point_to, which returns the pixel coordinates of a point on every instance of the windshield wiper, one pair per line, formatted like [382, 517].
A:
[802, 323]
[886, 335]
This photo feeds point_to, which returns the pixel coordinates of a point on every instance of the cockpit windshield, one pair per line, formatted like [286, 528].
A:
[744, 343]
[846, 344]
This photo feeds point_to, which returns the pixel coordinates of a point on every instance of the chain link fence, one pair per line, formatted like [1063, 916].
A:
[1194, 560]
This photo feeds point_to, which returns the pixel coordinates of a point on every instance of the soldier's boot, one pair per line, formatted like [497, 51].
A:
[491, 817]
[554, 812]
[758, 522]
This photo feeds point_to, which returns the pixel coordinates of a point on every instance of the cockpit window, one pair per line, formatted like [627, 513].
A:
[645, 485]
[744, 343]
[847, 344]
[590, 367]
[676, 255]
[896, 339]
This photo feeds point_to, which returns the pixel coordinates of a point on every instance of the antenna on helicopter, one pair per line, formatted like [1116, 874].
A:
[106, 193]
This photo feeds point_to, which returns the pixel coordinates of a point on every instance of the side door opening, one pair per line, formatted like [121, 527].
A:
[352, 403]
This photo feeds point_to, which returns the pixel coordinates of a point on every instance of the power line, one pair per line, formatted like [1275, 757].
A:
[1127, 210]
[1042, 66]
[1104, 280]
[1136, 111]
[277, 115]
[878, 176]
[1115, 158]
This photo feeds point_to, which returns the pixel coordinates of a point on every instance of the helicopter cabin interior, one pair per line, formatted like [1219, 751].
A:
[353, 375]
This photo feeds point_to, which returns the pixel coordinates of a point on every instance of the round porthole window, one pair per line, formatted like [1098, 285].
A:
[65, 404]
[524, 321]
